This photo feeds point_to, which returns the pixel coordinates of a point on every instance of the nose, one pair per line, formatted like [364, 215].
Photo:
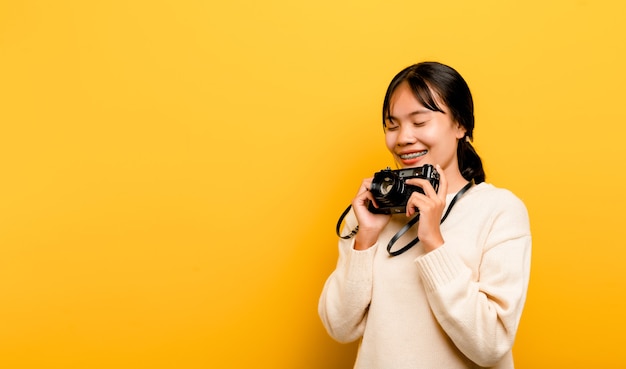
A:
[406, 136]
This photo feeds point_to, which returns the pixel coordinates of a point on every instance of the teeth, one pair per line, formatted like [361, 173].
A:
[413, 155]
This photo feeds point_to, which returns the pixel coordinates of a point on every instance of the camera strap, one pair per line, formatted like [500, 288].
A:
[412, 222]
[338, 228]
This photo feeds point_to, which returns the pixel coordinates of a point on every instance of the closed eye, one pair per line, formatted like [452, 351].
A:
[391, 125]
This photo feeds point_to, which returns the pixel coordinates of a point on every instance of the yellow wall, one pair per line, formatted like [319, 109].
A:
[172, 171]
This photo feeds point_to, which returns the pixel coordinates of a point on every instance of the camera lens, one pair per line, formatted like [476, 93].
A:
[386, 186]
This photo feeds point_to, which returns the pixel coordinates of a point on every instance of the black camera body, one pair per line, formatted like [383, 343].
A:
[391, 192]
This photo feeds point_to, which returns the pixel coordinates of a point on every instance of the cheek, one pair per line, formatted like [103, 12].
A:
[390, 141]
[430, 136]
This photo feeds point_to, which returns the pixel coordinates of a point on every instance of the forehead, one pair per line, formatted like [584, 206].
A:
[405, 100]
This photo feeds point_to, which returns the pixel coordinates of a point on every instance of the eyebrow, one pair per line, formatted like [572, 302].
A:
[412, 114]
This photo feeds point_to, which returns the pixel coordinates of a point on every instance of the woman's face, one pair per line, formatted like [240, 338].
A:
[416, 135]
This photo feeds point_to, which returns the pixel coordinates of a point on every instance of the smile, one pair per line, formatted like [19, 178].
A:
[413, 155]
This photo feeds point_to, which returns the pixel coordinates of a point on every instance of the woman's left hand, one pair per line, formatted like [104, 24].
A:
[431, 205]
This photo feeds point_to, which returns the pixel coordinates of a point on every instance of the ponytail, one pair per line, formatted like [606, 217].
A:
[470, 164]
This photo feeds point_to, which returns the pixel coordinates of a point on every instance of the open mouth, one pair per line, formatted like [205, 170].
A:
[413, 155]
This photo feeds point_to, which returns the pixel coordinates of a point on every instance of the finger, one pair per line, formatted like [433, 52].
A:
[370, 199]
[364, 197]
[416, 201]
[424, 184]
[365, 186]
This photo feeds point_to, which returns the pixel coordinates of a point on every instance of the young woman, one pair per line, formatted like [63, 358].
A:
[455, 298]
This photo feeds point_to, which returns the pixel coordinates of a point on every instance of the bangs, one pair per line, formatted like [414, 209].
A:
[421, 91]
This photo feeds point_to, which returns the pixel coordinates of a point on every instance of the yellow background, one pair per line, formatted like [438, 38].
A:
[172, 171]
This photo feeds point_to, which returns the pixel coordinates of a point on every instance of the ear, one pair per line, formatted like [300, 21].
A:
[460, 131]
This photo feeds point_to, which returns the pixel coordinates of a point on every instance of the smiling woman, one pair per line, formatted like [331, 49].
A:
[460, 291]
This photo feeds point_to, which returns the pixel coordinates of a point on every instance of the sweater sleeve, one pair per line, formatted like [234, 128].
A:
[347, 293]
[481, 315]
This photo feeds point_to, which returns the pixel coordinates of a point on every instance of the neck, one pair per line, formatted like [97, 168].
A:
[455, 182]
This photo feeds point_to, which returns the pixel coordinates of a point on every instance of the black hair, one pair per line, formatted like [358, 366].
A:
[430, 79]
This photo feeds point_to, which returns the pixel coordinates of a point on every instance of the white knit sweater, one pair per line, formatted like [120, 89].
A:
[456, 307]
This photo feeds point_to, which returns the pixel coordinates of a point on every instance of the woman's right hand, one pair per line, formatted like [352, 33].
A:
[370, 224]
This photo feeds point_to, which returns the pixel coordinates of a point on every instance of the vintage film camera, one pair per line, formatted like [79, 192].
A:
[391, 191]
